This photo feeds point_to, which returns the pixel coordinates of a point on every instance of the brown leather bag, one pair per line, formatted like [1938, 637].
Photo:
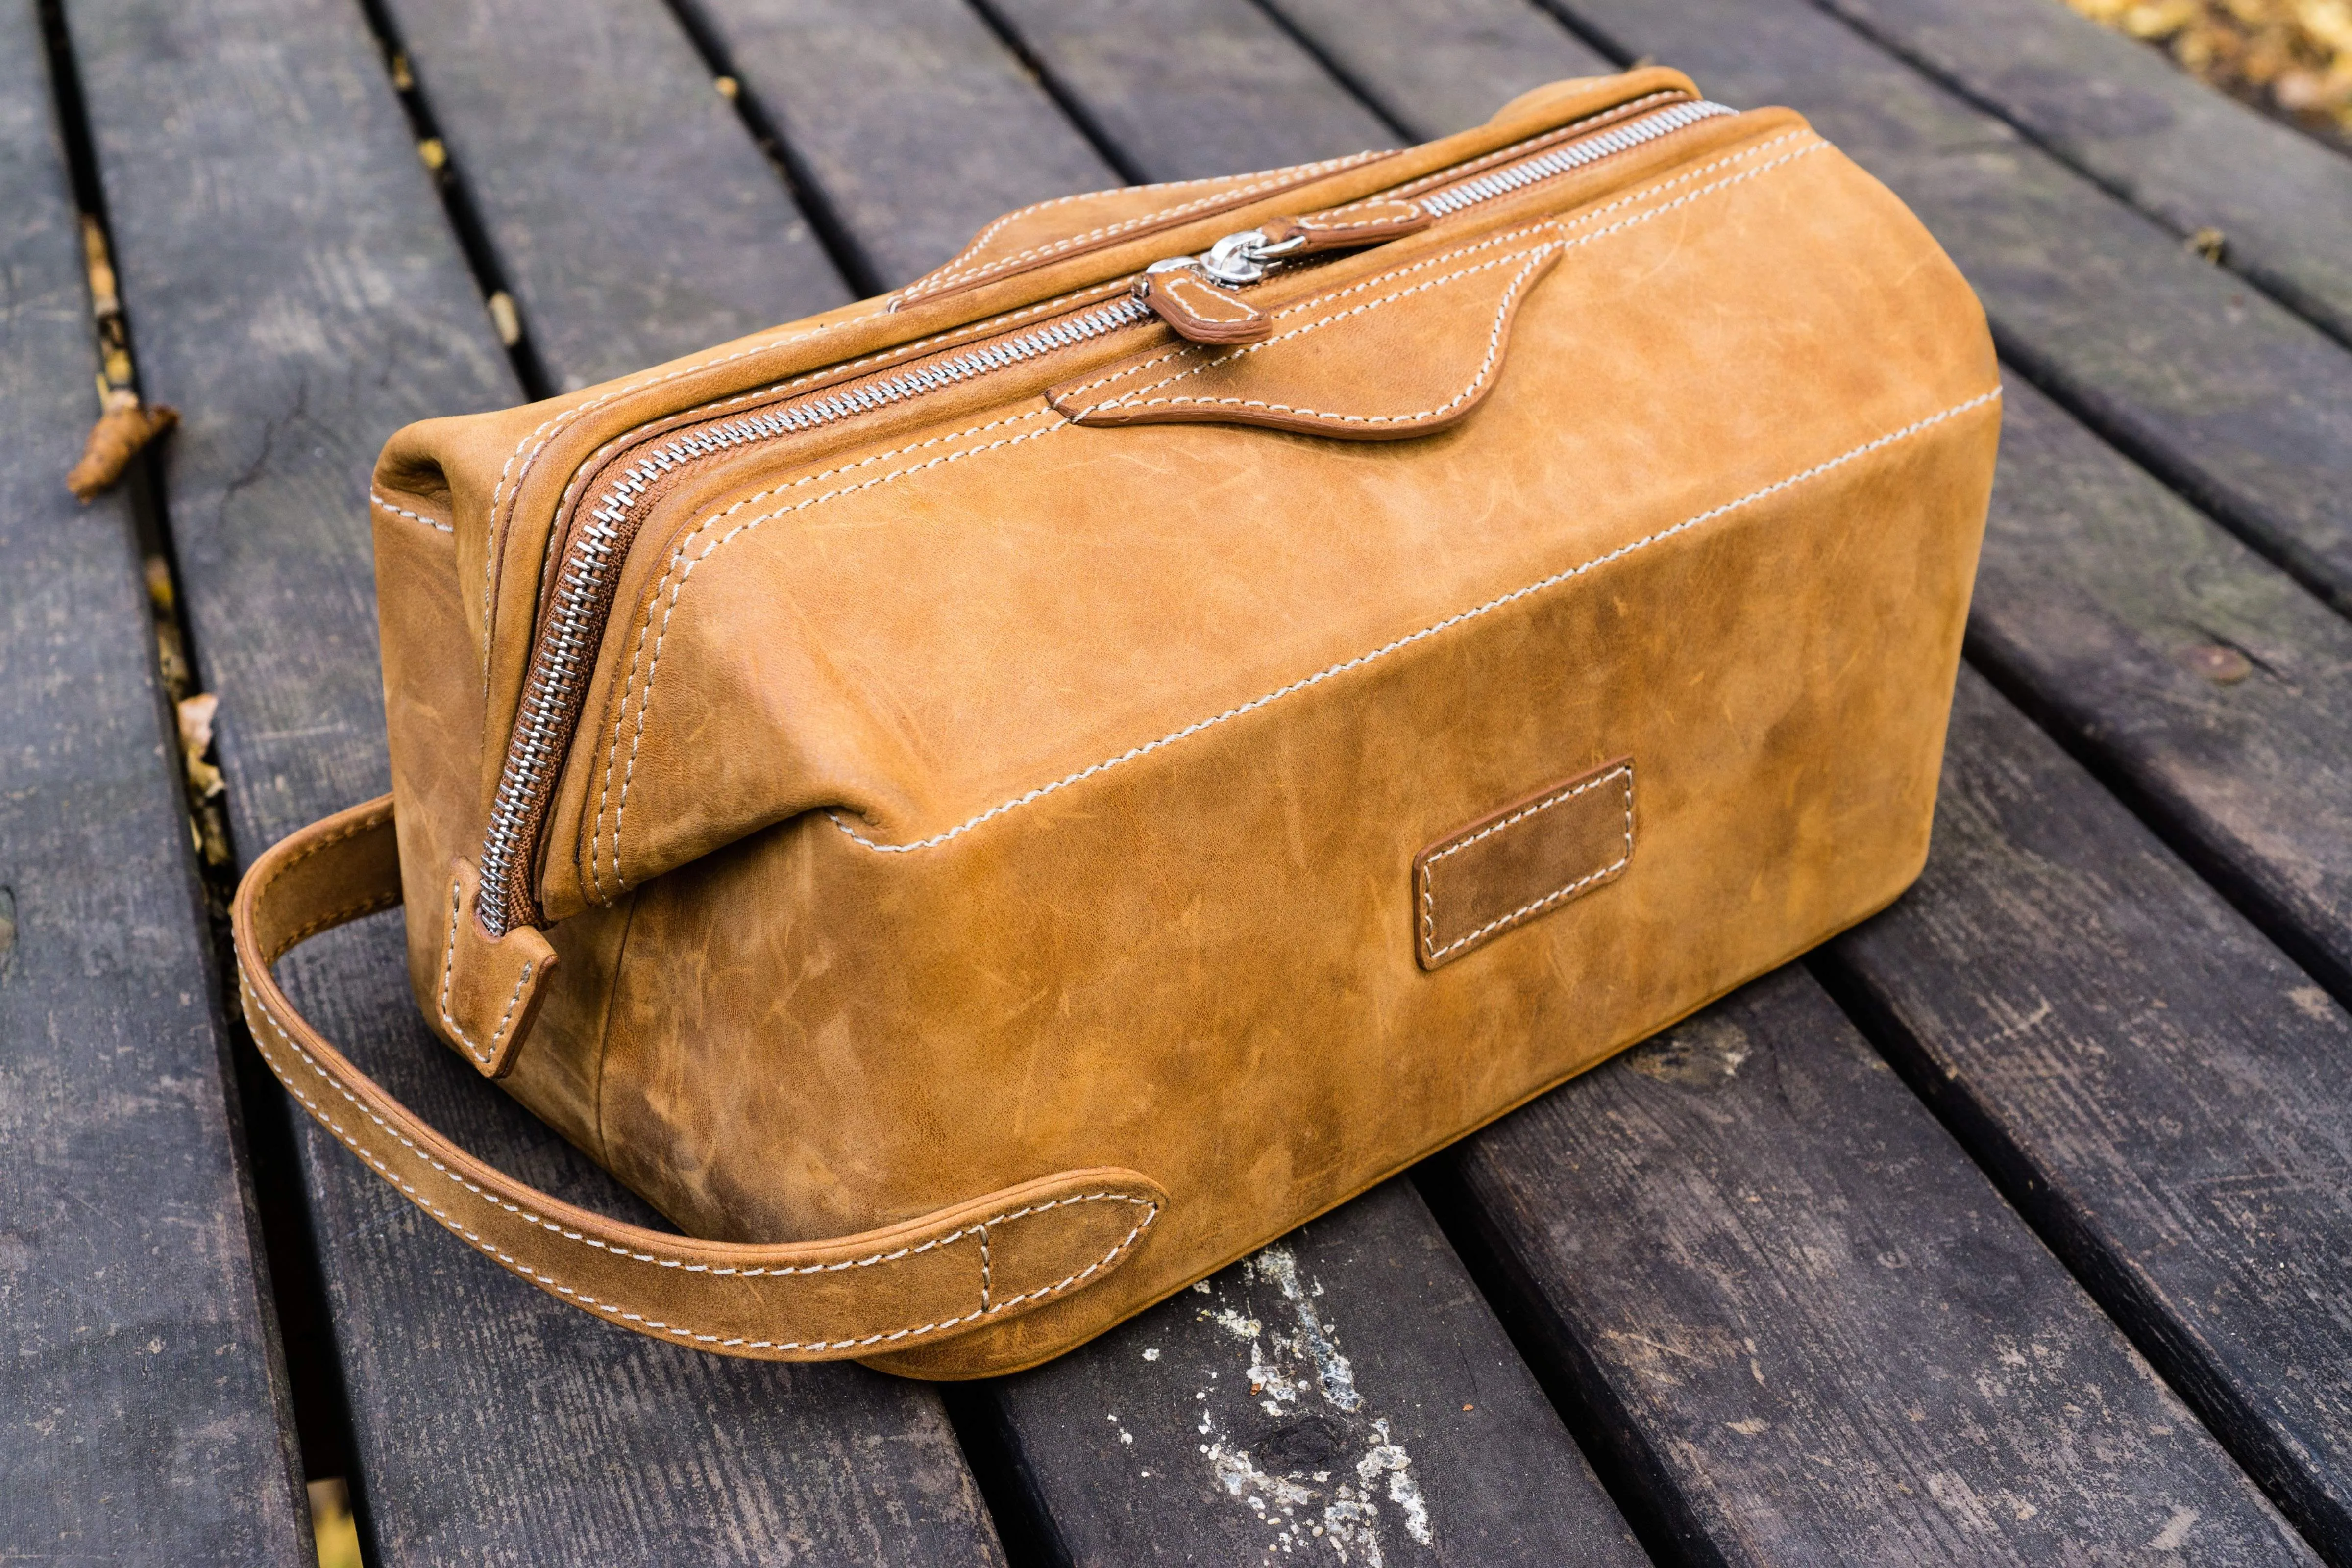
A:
[987, 805]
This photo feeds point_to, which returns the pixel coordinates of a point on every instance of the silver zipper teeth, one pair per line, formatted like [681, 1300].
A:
[1574, 155]
[566, 647]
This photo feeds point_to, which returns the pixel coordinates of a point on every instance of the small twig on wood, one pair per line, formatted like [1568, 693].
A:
[122, 431]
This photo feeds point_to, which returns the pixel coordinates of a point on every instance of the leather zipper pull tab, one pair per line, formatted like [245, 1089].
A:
[1371, 222]
[1180, 293]
[1191, 293]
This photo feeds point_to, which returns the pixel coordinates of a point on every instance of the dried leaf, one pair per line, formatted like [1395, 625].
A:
[2295, 56]
[196, 715]
[122, 432]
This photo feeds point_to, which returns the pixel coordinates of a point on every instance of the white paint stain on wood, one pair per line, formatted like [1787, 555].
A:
[1327, 1474]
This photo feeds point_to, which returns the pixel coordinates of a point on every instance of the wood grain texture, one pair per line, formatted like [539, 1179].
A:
[2128, 118]
[1436, 70]
[2229, 397]
[632, 215]
[914, 122]
[297, 291]
[1343, 1397]
[299, 297]
[1817, 1335]
[1186, 90]
[2161, 1090]
[142, 1417]
[2110, 606]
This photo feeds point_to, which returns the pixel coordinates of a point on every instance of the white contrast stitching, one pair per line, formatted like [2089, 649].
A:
[1297, 174]
[412, 516]
[251, 996]
[1410, 638]
[449, 967]
[1326, 225]
[646, 701]
[1433, 953]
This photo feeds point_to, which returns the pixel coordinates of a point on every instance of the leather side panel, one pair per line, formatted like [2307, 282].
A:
[1202, 964]
[432, 716]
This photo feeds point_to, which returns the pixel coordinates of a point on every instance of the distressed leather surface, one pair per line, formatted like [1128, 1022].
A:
[989, 789]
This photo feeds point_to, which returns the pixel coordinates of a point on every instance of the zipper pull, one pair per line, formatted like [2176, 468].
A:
[1193, 293]
[1190, 292]
[1371, 222]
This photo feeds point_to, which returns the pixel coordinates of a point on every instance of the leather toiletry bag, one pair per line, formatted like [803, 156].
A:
[987, 805]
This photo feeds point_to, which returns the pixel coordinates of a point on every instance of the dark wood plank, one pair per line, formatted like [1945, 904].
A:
[2128, 117]
[1815, 1333]
[298, 292]
[908, 117]
[1346, 1388]
[2159, 1088]
[632, 215]
[299, 300]
[1185, 89]
[2226, 395]
[1436, 70]
[143, 1409]
[2194, 676]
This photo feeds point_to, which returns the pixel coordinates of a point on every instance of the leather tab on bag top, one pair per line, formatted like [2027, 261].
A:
[1373, 222]
[1399, 354]
[1523, 861]
[489, 988]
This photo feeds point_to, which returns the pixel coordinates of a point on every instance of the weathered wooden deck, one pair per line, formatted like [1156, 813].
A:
[2013, 1226]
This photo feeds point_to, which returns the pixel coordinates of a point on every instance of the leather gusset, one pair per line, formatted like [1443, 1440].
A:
[1074, 226]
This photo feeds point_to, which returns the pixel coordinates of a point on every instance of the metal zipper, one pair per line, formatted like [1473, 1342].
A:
[1575, 154]
[564, 651]
[1245, 257]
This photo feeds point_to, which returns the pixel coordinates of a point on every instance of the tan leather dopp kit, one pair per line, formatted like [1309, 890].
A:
[986, 806]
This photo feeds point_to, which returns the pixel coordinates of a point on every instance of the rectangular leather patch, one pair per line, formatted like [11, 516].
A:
[1523, 861]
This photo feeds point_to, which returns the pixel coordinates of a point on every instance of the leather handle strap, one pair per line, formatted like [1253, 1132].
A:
[946, 1273]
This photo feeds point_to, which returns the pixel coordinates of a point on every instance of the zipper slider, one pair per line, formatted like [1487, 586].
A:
[1190, 292]
[1193, 293]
